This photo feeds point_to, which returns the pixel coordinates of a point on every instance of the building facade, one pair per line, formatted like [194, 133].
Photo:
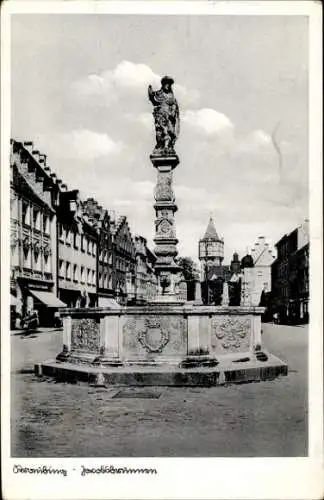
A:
[256, 271]
[101, 218]
[123, 260]
[290, 276]
[34, 197]
[77, 252]
[145, 279]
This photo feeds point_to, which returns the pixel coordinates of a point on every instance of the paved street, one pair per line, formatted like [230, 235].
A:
[260, 419]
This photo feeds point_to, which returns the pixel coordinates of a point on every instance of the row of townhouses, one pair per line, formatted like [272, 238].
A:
[290, 276]
[66, 251]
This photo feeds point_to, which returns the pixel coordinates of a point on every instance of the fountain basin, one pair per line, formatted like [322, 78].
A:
[163, 344]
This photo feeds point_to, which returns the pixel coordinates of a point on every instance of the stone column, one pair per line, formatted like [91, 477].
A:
[225, 296]
[67, 340]
[255, 330]
[193, 335]
[165, 232]
[109, 340]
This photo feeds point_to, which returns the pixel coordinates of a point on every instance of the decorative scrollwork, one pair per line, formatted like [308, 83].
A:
[26, 244]
[37, 248]
[232, 332]
[47, 250]
[153, 343]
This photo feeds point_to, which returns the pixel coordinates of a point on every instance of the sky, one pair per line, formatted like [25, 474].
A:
[79, 92]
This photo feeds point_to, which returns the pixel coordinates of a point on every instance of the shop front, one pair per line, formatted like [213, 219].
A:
[39, 296]
[47, 305]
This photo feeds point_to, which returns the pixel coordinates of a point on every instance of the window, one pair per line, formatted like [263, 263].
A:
[82, 243]
[47, 263]
[25, 213]
[36, 218]
[93, 277]
[61, 268]
[93, 249]
[45, 224]
[82, 274]
[89, 276]
[68, 236]
[75, 272]
[68, 271]
[88, 246]
[76, 240]
[61, 230]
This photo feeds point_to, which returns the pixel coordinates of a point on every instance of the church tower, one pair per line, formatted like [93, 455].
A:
[211, 246]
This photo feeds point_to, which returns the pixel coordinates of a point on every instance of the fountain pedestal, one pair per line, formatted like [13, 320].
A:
[163, 344]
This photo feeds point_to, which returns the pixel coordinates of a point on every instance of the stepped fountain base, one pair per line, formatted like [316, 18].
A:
[163, 345]
[136, 375]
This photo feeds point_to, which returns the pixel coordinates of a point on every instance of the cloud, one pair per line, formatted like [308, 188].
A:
[145, 119]
[256, 141]
[125, 77]
[130, 75]
[84, 145]
[209, 122]
[185, 96]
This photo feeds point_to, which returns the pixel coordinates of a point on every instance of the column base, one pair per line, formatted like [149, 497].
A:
[198, 361]
[107, 361]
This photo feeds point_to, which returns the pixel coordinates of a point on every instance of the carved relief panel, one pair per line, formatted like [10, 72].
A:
[230, 334]
[85, 335]
[163, 190]
[154, 335]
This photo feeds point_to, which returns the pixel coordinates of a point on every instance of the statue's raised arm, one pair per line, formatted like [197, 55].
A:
[166, 117]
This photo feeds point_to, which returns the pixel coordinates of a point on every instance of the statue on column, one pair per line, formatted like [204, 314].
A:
[166, 117]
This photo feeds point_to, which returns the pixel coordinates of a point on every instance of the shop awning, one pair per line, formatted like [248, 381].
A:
[14, 301]
[47, 298]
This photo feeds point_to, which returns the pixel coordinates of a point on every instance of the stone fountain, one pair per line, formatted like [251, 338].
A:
[168, 341]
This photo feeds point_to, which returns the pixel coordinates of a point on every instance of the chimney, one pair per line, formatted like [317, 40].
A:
[36, 153]
[28, 145]
[42, 159]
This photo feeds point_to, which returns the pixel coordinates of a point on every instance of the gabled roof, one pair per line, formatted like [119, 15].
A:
[115, 226]
[33, 187]
[211, 233]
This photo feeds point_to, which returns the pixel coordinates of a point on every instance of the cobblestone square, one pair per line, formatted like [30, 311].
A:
[75, 420]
